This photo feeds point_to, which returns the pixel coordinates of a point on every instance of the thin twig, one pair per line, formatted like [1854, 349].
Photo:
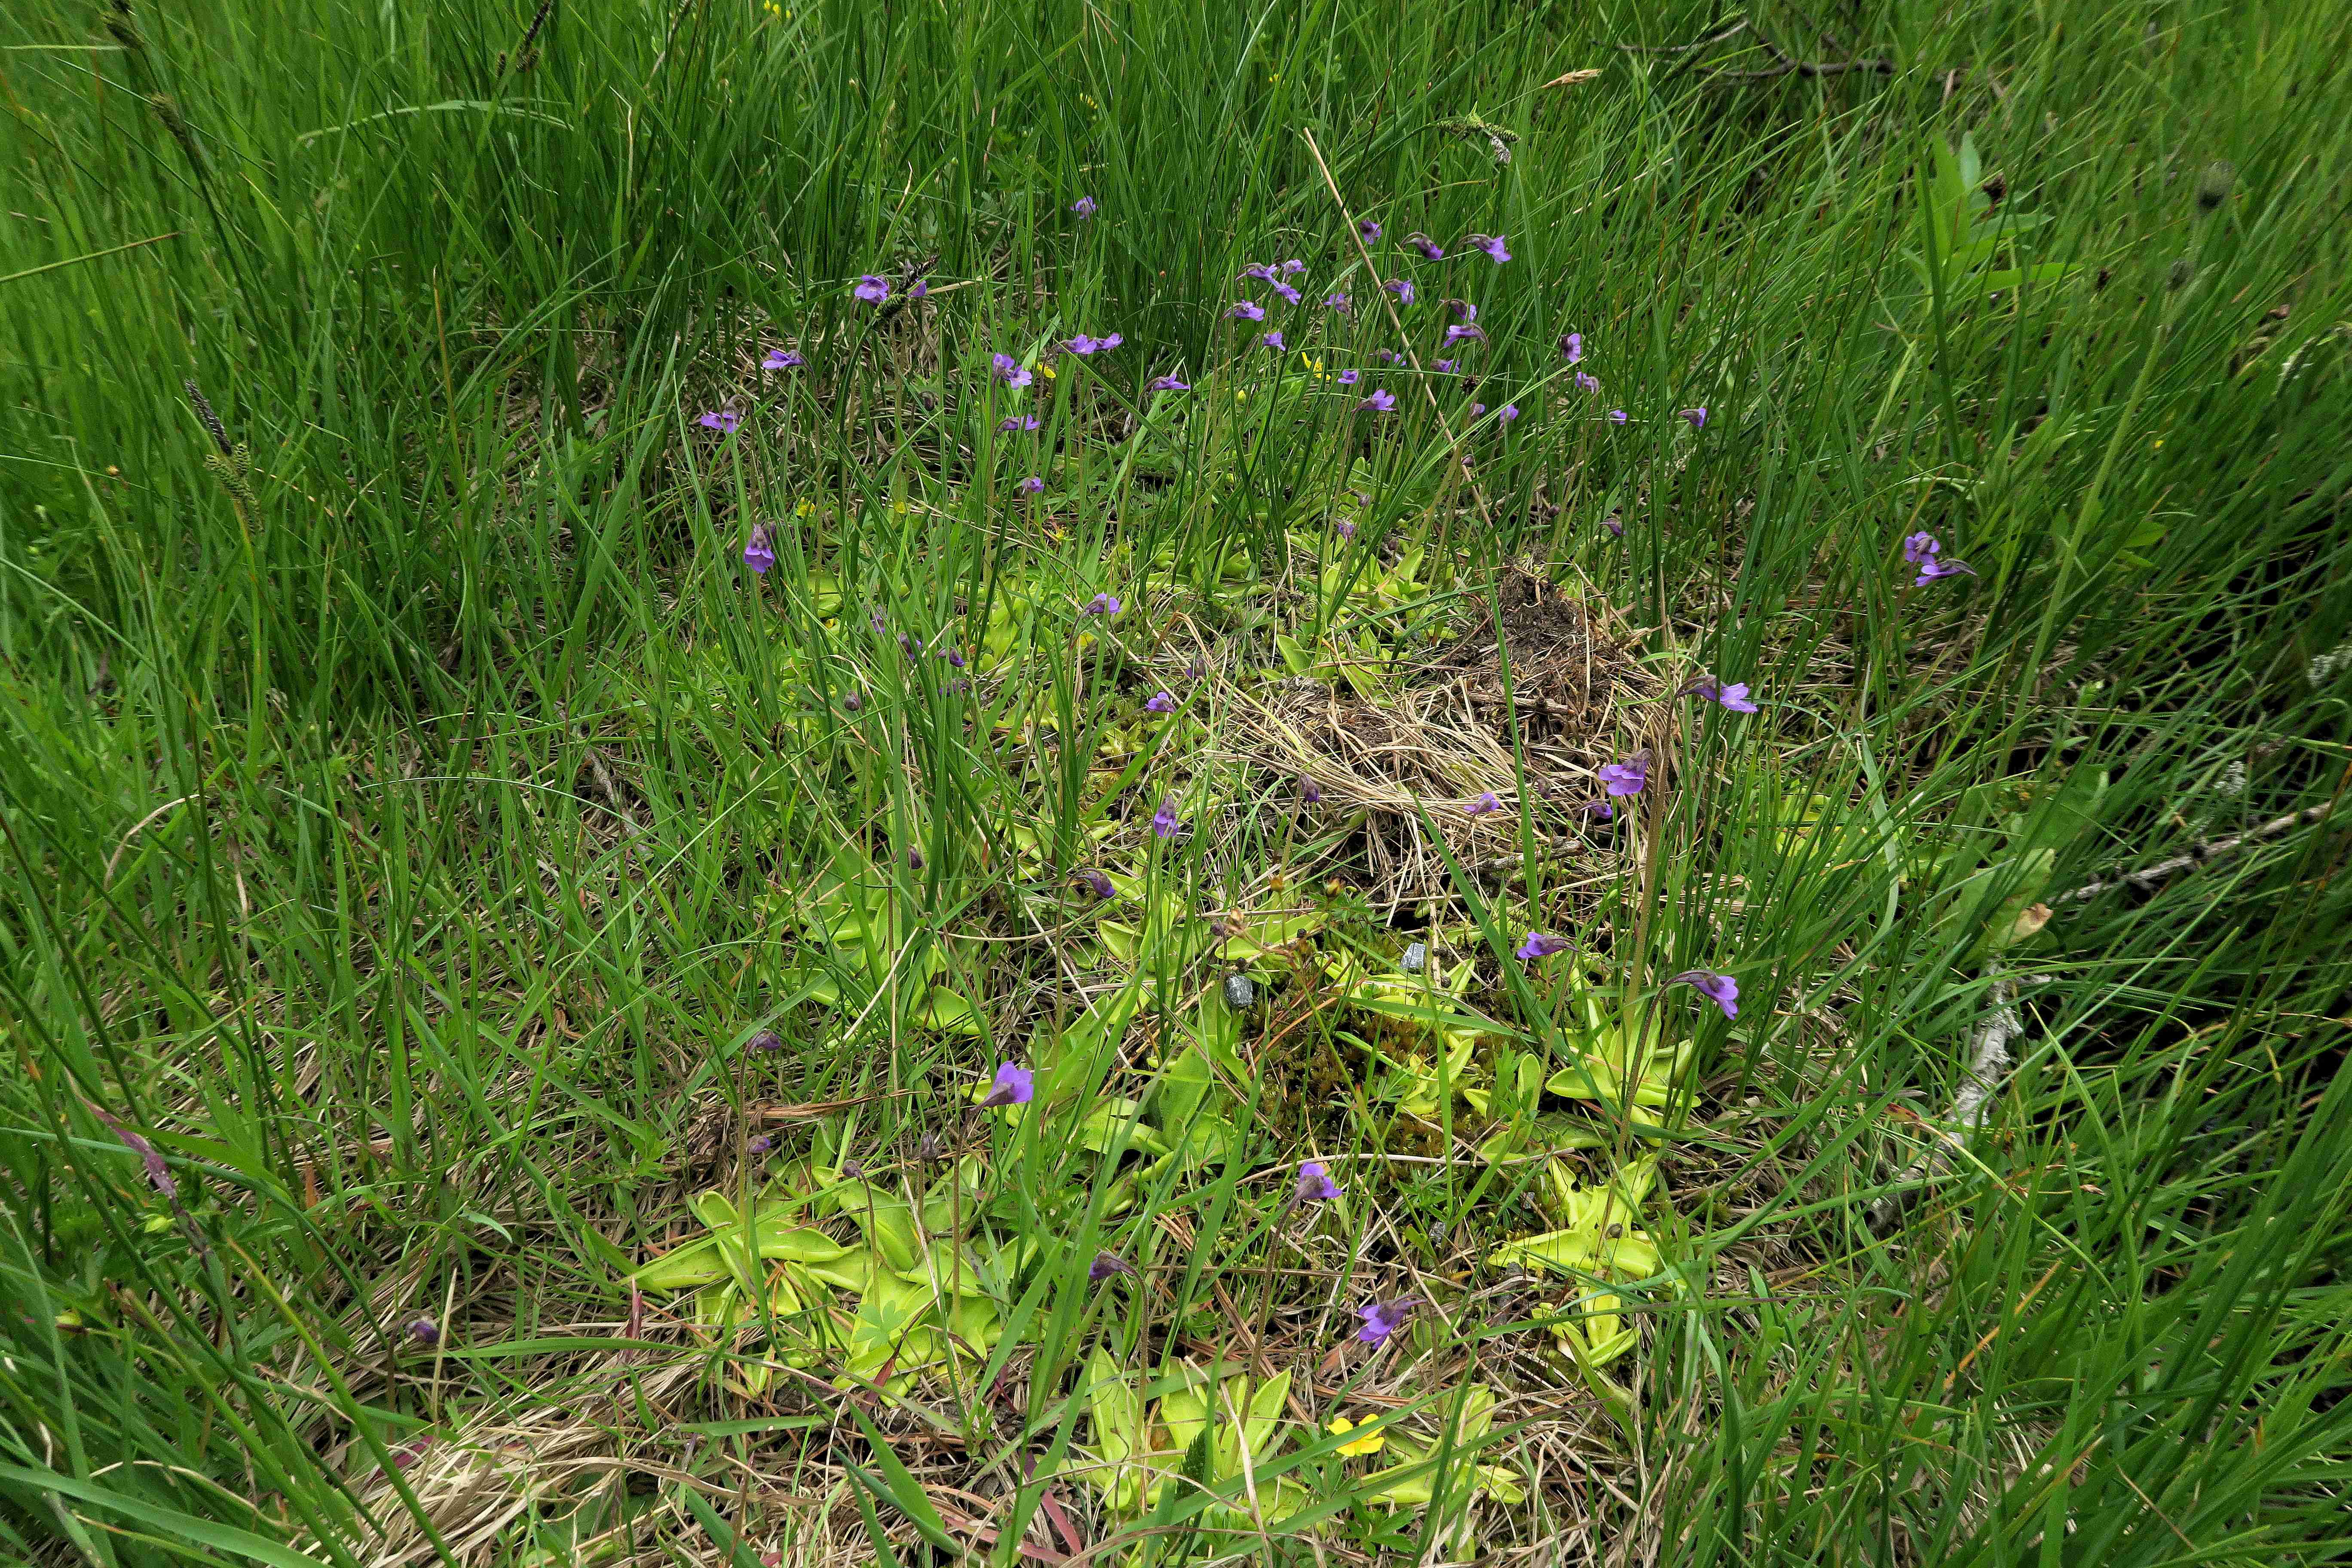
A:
[1726, 36]
[1989, 1064]
[2198, 855]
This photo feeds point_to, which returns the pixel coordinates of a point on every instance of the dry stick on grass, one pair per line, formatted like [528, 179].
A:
[1989, 1063]
[1989, 1058]
[1784, 63]
[2198, 855]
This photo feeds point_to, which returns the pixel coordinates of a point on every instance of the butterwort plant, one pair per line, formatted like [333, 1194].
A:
[1720, 989]
[1013, 1085]
[1732, 697]
[1628, 777]
[1383, 1319]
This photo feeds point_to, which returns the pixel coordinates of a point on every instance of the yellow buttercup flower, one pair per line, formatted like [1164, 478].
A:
[1371, 1444]
[806, 509]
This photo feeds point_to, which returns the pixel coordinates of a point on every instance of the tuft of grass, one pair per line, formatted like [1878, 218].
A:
[498, 990]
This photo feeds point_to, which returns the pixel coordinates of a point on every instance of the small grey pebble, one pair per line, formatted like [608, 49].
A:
[1241, 991]
[1416, 958]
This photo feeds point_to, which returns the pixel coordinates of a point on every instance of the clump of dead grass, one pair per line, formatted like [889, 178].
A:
[1420, 755]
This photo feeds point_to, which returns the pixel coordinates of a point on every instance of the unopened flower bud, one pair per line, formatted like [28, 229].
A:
[2213, 185]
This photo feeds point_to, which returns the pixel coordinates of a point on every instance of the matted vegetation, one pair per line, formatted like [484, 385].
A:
[808, 784]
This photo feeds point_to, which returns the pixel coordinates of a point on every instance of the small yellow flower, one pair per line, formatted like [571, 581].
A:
[1047, 371]
[1341, 1425]
[1241, 394]
[898, 507]
[806, 509]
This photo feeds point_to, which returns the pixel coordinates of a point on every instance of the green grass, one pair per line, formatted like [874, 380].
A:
[417, 815]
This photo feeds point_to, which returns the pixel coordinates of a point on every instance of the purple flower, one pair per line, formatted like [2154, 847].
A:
[915, 851]
[1293, 267]
[1598, 810]
[1461, 330]
[1030, 485]
[1615, 524]
[759, 1145]
[1082, 345]
[918, 289]
[954, 657]
[1540, 944]
[1110, 341]
[1102, 605]
[1937, 567]
[853, 702]
[1697, 417]
[1161, 702]
[782, 359]
[1167, 383]
[1401, 288]
[1084, 208]
[1163, 821]
[159, 1171]
[1616, 417]
[1918, 546]
[1506, 413]
[1315, 1184]
[1369, 229]
[723, 420]
[1721, 988]
[1348, 378]
[1443, 366]
[1586, 383]
[1098, 884]
[1483, 805]
[872, 289]
[1347, 528]
[1261, 270]
[1379, 402]
[756, 553]
[1464, 310]
[1336, 300]
[1011, 371]
[1734, 696]
[1310, 792]
[1572, 347]
[1018, 422]
[1628, 776]
[1382, 1318]
[1273, 341]
[1015, 1085]
[1245, 310]
[1290, 296]
[767, 1042]
[425, 1331]
[1476, 409]
[1492, 243]
[1107, 1264]
[1427, 246]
